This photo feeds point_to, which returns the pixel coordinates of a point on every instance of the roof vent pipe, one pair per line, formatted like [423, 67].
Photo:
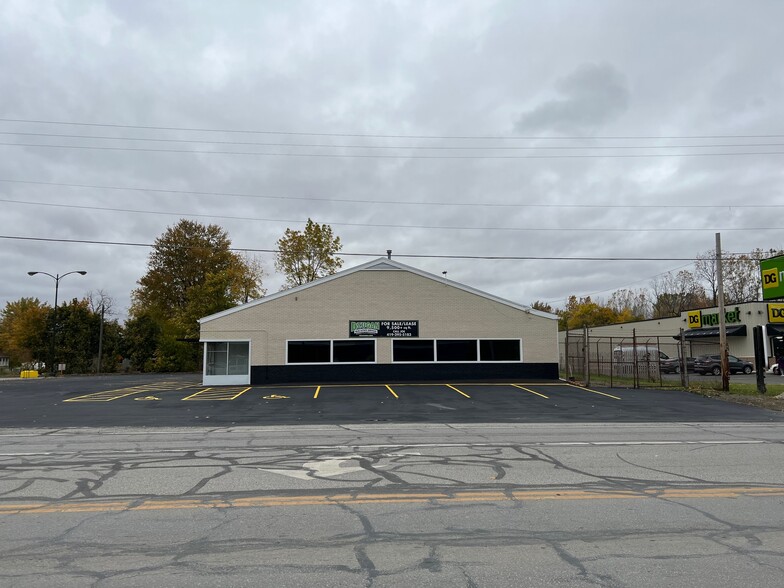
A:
[389, 254]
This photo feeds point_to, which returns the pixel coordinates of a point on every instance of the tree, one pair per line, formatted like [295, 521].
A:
[740, 273]
[674, 293]
[584, 312]
[191, 272]
[637, 304]
[304, 256]
[23, 330]
[141, 336]
[543, 306]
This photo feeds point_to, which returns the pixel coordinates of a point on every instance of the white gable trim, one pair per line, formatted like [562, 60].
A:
[379, 264]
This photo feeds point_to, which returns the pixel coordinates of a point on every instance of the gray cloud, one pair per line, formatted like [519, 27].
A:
[588, 98]
[401, 68]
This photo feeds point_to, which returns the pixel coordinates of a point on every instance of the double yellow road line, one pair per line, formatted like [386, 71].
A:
[445, 498]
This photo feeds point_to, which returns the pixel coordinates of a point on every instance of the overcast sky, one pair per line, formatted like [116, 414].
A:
[438, 128]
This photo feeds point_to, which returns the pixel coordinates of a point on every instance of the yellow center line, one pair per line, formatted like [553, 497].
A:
[391, 391]
[468, 496]
[456, 390]
[318, 389]
[594, 391]
[529, 390]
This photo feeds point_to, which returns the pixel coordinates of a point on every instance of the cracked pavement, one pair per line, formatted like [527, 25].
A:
[687, 504]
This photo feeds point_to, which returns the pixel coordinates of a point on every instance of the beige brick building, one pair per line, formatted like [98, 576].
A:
[382, 320]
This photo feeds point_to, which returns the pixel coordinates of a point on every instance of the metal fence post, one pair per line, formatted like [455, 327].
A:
[587, 356]
[635, 367]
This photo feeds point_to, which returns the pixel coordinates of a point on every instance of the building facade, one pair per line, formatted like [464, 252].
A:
[380, 321]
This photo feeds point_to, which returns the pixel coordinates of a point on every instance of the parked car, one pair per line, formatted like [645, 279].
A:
[711, 364]
[672, 365]
[774, 369]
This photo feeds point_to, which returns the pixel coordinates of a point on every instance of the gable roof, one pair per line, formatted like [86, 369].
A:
[380, 264]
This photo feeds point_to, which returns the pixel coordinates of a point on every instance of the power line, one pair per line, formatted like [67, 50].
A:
[403, 202]
[342, 253]
[385, 156]
[380, 136]
[412, 255]
[401, 147]
[395, 226]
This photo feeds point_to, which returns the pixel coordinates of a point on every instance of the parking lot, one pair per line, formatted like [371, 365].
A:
[176, 400]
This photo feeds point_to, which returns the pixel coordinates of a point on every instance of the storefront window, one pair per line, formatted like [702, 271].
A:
[217, 359]
[308, 352]
[499, 350]
[412, 350]
[239, 358]
[363, 351]
[456, 350]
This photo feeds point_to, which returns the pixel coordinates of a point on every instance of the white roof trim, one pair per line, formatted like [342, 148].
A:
[381, 263]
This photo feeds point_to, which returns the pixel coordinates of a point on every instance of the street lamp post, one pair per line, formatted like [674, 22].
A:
[53, 343]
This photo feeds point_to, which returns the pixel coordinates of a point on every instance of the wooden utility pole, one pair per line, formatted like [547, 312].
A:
[725, 363]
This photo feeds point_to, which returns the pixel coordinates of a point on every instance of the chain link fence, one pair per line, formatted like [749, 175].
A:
[638, 360]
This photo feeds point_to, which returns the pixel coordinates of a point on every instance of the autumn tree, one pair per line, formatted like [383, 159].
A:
[191, 273]
[584, 312]
[304, 256]
[23, 330]
[543, 306]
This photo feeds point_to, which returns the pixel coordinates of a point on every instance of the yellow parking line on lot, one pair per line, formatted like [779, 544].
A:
[594, 391]
[456, 390]
[391, 391]
[108, 395]
[218, 393]
[529, 390]
[318, 389]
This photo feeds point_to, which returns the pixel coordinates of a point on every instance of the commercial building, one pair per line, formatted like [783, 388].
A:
[379, 321]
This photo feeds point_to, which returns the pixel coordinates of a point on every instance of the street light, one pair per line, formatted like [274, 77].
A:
[56, 279]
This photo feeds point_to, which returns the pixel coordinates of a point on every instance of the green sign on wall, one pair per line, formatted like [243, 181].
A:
[772, 274]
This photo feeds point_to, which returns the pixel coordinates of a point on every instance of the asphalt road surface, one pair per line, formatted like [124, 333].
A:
[554, 502]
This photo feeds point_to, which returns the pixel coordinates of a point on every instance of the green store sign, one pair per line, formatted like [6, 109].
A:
[772, 276]
[698, 319]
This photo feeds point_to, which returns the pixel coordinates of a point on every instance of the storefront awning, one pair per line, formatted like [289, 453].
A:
[774, 330]
[733, 331]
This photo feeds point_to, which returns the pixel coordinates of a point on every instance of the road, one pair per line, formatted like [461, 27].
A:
[419, 504]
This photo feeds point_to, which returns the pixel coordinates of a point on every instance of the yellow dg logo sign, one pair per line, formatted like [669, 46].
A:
[770, 278]
[776, 313]
[695, 319]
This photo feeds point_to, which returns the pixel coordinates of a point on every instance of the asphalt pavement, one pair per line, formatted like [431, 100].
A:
[181, 400]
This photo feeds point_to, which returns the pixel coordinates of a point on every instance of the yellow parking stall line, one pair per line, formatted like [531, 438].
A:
[318, 389]
[456, 390]
[594, 391]
[240, 393]
[391, 391]
[529, 390]
[197, 393]
[218, 393]
[107, 396]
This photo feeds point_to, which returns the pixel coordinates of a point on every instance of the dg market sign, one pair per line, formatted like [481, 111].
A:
[383, 328]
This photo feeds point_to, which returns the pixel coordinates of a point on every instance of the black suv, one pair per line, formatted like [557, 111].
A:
[711, 364]
[672, 365]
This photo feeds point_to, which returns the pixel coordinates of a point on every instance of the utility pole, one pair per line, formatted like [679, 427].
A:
[100, 340]
[723, 353]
